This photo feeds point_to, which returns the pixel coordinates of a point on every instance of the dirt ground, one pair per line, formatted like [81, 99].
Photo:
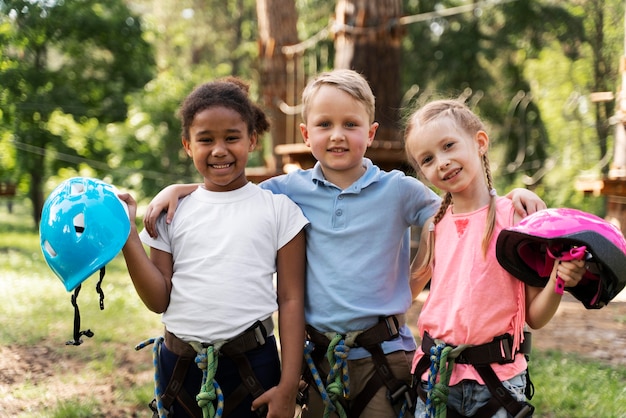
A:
[595, 334]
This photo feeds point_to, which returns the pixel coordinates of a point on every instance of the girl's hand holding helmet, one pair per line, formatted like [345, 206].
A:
[529, 250]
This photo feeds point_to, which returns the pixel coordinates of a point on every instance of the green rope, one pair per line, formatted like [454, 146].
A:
[441, 390]
[337, 382]
[438, 392]
[210, 391]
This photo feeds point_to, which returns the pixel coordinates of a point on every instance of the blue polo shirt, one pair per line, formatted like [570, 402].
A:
[358, 247]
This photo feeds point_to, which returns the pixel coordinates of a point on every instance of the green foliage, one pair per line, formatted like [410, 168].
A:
[189, 51]
[481, 55]
[151, 153]
[81, 94]
[527, 68]
[76, 61]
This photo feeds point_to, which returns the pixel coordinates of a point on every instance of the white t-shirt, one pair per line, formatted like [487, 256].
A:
[224, 247]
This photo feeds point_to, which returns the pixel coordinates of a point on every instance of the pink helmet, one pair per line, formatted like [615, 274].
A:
[527, 251]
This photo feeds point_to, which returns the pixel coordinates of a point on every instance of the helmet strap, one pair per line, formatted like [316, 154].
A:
[77, 332]
[99, 288]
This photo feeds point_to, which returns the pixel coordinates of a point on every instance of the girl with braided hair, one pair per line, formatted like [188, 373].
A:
[474, 307]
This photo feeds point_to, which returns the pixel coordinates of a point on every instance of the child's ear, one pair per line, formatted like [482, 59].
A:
[483, 142]
[305, 134]
[372, 133]
[186, 146]
[254, 139]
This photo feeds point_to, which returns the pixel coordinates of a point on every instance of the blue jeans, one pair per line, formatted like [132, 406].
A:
[468, 396]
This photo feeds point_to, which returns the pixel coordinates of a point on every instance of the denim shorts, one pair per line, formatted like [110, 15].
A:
[467, 397]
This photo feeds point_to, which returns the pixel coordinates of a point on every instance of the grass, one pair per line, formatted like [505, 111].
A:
[571, 387]
[37, 316]
[36, 311]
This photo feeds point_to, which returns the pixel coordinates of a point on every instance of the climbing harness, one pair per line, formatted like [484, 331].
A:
[210, 401]
[439, 359]
[334, 388]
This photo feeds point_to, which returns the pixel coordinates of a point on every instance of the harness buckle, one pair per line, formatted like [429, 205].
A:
[403, 392]
[526, 411]
[259, 334]
[506, 345]
[393, 326]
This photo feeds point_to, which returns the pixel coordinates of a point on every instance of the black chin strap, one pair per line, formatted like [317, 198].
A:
[77, 332]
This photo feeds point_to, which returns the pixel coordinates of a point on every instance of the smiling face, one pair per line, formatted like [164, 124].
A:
[450, 157]
[338, 131]
[219, 144]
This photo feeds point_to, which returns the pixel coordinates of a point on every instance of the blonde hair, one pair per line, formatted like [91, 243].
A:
[348, 81]
[458, 113]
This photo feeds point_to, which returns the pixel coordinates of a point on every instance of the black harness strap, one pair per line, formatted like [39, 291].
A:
[387, 329]
[175, 389]
[397, 390]
[252, 338]
[371, 339]
[502, 395]
[481, 357]
[236, 348]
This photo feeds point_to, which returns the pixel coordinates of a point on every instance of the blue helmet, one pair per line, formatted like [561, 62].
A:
[84, 225]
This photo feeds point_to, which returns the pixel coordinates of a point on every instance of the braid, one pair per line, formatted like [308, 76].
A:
[491, 215]
[445, 203]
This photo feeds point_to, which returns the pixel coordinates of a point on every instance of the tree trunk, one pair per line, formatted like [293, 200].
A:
[36, 192]
[368, 40]
[277, 28]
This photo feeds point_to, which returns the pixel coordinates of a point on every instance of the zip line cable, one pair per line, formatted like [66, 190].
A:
[334, 27]
[290, 51]
[451, 11]
[155, 175]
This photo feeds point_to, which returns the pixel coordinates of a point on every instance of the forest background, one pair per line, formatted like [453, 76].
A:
[91, 88]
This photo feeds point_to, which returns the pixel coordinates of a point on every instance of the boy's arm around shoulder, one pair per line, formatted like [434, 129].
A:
[166, 200]
[151, 276]
[420, 276]
[291, 270]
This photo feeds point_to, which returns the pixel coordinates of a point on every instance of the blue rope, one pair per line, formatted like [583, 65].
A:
[435, 356]
[308, 349]
[210, 390]
[156, 350]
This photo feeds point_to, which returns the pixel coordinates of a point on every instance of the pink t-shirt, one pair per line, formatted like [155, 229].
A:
[473, 299]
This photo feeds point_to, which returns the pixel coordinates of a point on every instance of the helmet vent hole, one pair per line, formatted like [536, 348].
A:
[48, 248]
[79, 224]
[77, 189]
